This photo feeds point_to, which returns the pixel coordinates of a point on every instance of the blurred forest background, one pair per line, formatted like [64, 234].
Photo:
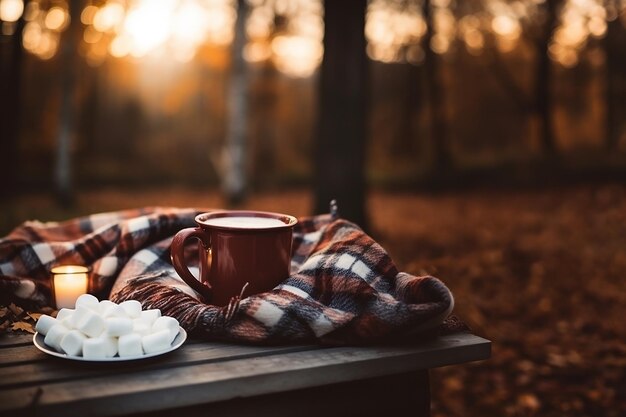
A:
[137, 92]
[483, 142]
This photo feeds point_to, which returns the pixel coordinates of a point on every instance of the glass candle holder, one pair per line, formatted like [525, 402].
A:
[68, 283]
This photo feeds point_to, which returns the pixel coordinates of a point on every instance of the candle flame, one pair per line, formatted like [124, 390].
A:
[69, 269]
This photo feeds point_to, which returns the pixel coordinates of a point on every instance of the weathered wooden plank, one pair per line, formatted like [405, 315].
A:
[17, 355]
[226, 380]
[8, 339]
[56, 369]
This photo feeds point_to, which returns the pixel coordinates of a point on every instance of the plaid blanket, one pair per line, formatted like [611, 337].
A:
[343, 287]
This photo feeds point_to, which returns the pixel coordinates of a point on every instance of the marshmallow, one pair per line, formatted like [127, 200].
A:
[65, 316]
[132, 308]
[72, 343]
[149, 316]
[156, 342]
[67, 322]
[113, 311]
[118, 326]
[141, 327]
[130, 345]
[105, 305]
[166, 322]
[64, 313]
[95, 348]
[54, 336]
[90, 323]
[88, 301]
[104, 329]
[111, 345]
[78, 315]
[44, 324]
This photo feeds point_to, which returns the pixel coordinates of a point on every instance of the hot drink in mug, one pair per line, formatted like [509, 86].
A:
[236, 247]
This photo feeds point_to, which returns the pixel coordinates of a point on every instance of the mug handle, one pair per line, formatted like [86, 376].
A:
[178, 260]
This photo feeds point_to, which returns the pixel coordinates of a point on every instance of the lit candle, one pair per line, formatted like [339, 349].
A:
[69, 282]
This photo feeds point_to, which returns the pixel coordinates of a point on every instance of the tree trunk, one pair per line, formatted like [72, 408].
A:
[543, 82]
[234, 154]
[11, 54]
[341, 137]
[441, 153]
[265, 113]
[67, 117]
[611, 46]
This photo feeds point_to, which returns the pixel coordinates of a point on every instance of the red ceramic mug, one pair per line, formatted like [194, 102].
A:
[236, 247]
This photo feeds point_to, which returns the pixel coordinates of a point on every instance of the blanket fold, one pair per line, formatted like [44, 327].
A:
[343, 287]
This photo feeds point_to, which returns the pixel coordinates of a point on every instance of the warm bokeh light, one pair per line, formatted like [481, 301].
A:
[220, 22]
[469, 31]
[11, 10]
[296, 56]
[504, 22]
[120, 47]
[47, 46]
[444, 28]
[579, 22]
[188, 24]
[288, 33]
[109, 17]
[57, 19]
[164, 28]
[148, 27]
[45, 23]
[394, 31]
[88, 14]
[31, 36]
[506, 26]
[91, 35]
[257, 52]
[474, 39]
[597, 27]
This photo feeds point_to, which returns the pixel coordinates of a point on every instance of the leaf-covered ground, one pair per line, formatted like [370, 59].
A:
[541, 273]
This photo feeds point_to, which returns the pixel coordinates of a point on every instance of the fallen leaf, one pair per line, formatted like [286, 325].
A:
[529, 402]
[34, 316]
[3, 312]
[17, 310]
[22, 325]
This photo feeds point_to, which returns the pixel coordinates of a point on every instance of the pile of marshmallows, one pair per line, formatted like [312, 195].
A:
[103, 329]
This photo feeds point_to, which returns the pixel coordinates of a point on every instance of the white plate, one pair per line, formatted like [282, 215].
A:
[178, 342]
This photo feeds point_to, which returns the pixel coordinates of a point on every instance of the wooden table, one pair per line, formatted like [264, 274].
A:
[219, 379]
